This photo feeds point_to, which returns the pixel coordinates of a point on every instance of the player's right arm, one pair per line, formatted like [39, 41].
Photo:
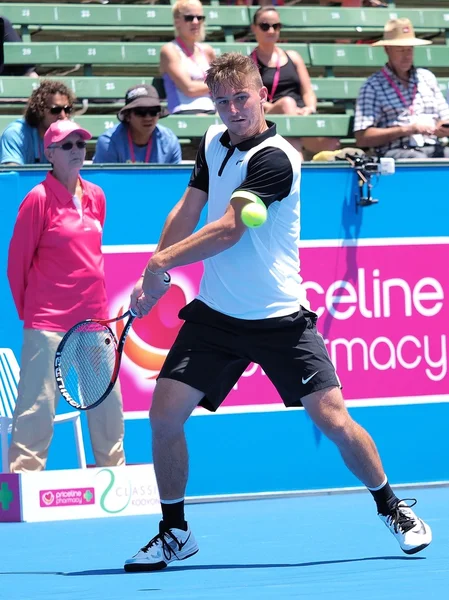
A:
[184, 217]
[181, 220]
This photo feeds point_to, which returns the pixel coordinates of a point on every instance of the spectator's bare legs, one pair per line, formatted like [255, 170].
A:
[283, 106]
[313, 145]
[328, 411]
[173, 403]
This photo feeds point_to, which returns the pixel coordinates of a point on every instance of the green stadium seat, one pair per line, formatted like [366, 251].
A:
[18, 89]
[103, 88]
[347, 55]
[347, 88]
[327, 22]
[109, 53]
[52, 21]
[335, 88]
[190, 126]
[153, 20]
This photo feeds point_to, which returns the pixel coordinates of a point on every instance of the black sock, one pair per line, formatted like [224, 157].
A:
[173, 515]
[385, 499]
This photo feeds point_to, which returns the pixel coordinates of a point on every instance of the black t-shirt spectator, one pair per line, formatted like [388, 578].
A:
[9, 34]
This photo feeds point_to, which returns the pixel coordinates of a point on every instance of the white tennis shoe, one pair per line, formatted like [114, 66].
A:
[164, 548]
[412, 534]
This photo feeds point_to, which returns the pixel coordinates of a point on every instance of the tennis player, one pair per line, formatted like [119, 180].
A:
[251, 307]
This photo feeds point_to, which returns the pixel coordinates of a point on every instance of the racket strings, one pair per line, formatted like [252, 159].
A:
[88, 360]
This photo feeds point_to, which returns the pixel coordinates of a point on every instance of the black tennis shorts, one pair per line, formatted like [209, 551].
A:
[212, 351]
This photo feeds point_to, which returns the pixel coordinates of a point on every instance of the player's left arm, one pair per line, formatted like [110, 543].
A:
[269, 178]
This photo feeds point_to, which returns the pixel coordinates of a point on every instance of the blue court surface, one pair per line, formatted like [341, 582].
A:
[310, 547]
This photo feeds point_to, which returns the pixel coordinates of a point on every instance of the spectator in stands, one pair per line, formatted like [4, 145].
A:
[184, 62]
[139, 137]
[22, 142]
[401, 111]
[11, 35]
[285, 76]
[56, 274]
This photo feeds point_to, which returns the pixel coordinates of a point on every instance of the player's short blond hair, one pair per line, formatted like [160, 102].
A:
[233, 70]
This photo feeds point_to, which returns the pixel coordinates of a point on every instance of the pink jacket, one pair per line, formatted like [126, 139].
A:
[55, 263]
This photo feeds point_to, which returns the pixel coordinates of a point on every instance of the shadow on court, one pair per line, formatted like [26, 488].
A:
[96, 572]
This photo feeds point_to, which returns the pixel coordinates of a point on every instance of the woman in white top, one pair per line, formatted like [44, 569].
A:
[184, 62]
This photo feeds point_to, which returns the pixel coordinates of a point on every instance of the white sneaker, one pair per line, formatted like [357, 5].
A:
[410, 531]
[164, 548]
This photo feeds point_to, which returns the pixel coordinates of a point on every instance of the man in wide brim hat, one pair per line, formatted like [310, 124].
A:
[401, 111]
[400, 32]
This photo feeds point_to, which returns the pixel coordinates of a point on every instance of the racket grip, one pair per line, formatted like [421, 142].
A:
[167, 278]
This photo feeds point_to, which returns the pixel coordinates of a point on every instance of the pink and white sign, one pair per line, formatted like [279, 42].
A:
[67, 497]
[383, 315]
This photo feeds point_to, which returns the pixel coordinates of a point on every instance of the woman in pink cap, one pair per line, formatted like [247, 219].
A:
[56, 275]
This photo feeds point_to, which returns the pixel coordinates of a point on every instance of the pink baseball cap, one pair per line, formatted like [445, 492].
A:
[59, 130]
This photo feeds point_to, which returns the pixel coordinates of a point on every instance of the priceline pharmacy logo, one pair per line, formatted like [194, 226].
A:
[67, 497]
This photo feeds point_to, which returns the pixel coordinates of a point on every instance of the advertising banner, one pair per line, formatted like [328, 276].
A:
[89, 493]
[382, 312]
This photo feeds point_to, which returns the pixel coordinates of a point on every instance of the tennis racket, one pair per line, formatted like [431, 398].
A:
[87, 361]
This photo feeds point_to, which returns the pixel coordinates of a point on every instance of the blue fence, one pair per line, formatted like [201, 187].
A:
[278, 449]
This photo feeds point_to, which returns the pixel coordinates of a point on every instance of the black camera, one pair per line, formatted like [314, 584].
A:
[366, 167]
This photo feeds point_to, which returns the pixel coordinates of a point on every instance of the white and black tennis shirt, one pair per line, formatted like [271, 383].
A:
[258, 277]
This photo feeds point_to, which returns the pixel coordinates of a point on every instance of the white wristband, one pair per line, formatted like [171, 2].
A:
[167, 277]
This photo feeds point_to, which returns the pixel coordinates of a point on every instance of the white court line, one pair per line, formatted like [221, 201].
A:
[331, 243]
[127, 248]
[279, 407]
[405, 241]
[298, 493]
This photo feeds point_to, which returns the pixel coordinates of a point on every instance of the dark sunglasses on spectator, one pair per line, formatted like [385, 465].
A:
[191, 18]
[143, 112]
[81, 144]
[57, 110]
[267, 26]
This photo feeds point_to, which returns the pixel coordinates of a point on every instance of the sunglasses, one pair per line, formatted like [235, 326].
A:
[143, 112]
[81, 144]
[57, 110]
[191, 18]
[268, 26]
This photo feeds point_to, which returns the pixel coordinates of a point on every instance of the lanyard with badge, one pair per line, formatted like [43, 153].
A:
[131, 149]
[417, 138]
[277, 74]
[191, 55]
[399, 94]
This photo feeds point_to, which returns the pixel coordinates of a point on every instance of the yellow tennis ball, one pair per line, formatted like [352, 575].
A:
[254, 214]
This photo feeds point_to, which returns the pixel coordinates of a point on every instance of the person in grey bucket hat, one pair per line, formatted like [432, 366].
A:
[139, 138]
